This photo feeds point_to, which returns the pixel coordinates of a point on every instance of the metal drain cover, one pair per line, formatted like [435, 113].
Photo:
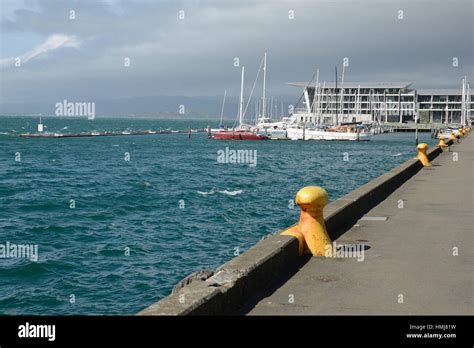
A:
[374, 218]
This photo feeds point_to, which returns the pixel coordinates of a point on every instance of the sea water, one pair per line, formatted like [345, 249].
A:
[117, 221]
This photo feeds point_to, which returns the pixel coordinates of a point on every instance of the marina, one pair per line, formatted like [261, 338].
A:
[350, 111]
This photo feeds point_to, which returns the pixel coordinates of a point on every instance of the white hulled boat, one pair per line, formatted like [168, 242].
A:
[340, 133]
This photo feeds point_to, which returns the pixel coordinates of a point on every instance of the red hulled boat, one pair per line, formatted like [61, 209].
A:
[241, 133]
[238, 135]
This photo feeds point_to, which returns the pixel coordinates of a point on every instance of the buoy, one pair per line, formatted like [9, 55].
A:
[460, 132]
[422, 154]
[442, 144]
[311, 230]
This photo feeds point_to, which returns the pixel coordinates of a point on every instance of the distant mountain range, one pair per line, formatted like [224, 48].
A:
[150, 106]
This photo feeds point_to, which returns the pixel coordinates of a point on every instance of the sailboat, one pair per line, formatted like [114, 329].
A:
[241, 133]
[221, 124]
[264, 123]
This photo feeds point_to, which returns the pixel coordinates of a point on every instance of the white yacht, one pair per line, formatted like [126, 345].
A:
[340, 133]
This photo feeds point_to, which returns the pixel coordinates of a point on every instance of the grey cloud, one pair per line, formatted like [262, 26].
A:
[194, 56]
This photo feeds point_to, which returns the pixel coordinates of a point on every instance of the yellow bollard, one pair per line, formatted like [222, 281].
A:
[422, 154]
[442, 144]
[311, 230]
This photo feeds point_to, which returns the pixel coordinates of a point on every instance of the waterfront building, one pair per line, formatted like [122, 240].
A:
[382, 103]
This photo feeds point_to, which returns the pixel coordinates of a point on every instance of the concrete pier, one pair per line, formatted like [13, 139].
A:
[421, 127]
[418, 258]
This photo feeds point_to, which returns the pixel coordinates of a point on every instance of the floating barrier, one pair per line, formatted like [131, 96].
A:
[108, 134]
[422, 148]
[311, 230]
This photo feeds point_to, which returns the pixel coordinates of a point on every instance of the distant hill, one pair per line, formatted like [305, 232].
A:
[150, 106]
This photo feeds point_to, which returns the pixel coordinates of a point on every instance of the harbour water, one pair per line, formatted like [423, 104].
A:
[138, 226]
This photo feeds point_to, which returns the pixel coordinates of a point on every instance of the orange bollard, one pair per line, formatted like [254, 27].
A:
[442, 144]
[422, 148]
[311, 230]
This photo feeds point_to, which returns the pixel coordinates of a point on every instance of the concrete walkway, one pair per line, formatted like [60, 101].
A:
[409, 267]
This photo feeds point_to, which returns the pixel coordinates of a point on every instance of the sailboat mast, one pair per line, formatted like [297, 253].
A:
[264, 84]
[335, 95]
[358, 102]
[315, 90]
[222, 109]
[256, 111]
[320, 116]
[468, 105]
[464, 101]
[342, 92]
[271, 107]
[241, 109]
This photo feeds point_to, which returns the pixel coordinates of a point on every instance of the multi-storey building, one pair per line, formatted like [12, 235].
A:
[382, 102]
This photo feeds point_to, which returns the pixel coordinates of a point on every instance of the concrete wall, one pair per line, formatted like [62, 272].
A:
[235, 282]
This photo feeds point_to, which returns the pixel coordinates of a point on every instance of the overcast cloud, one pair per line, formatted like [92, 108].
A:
[83, 58]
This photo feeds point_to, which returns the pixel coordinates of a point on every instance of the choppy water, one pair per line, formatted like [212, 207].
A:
[136, 204]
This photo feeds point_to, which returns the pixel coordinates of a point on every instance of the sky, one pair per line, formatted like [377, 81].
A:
[189, 47]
